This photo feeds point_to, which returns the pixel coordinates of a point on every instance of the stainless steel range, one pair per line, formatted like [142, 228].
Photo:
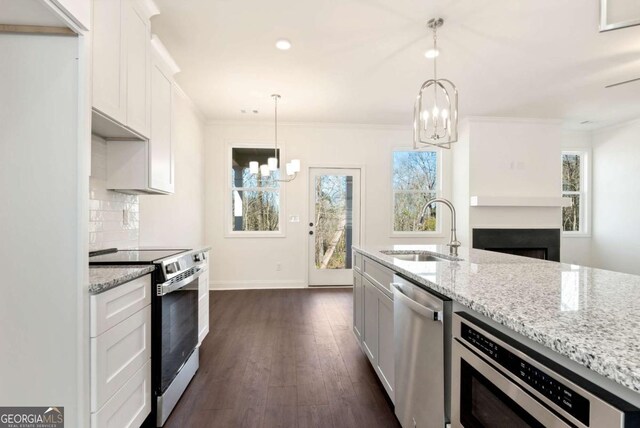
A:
[174, 315]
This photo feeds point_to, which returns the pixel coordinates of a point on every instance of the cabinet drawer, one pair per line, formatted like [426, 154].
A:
[130, 405]
[113, 306]
[117, 354]
[357, 261]
[378, 275]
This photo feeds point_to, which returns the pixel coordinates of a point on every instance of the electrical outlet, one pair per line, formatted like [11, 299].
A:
[278, 266]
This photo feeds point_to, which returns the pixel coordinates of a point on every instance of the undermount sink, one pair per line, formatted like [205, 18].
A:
[420, 256]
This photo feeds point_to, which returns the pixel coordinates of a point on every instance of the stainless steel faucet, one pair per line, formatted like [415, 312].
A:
[453, 240]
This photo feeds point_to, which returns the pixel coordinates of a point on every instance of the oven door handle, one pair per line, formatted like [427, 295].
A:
[417, 307]
[169, 287]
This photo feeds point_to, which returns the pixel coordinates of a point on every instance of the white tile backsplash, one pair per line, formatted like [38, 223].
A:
[114, 218]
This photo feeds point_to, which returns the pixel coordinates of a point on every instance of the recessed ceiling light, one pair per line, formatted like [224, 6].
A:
[432, 53]
[243, 111]
[255, 111]
[283, 44]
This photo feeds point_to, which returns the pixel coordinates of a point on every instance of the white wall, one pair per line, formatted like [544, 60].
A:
[178, 220]
[616, 198]
[460, 183]
[251, 262]
[576, 249]
[43, 238]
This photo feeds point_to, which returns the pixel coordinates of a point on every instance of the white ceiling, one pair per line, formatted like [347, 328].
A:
[362, 61]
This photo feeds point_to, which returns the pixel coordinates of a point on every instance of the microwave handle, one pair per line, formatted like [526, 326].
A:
[417, 307]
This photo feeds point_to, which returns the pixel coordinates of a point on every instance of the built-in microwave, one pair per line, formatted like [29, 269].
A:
[500, 382]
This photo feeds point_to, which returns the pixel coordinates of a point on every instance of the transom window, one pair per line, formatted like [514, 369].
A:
[574, 171]
[255, 200]
[415, 181]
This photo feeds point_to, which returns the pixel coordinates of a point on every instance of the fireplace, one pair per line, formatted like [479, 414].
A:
[536, 243]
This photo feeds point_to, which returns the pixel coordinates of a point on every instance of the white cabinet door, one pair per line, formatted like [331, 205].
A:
[160, 144]
[203, 304]
[109, 86]
[370, 315]
[357, 306]
[129, 407]
[117, 354]
[77, 10]
[385, 361]
[203, 318]
[137, 42]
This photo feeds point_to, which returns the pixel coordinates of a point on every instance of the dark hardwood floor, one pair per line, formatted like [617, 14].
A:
[282, 358]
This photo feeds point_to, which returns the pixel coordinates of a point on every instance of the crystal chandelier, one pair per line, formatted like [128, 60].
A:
[435, 114]
[292, 168]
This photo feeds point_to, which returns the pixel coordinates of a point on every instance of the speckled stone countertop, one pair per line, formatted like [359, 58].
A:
[591, 316]
[103, 278]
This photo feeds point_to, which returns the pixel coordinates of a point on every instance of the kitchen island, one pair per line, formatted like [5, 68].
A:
[588, 317]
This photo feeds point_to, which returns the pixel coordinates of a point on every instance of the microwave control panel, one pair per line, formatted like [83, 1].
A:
[555, 391]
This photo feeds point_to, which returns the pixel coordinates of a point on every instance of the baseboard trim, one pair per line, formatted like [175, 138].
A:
[267, 285]
[256, 285]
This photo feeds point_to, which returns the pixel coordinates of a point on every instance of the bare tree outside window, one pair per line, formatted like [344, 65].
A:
[415, 181]
[572, 187]
[255, 199]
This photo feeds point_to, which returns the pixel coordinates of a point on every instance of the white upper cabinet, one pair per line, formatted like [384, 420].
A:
[121, 84]
[161, 150]
[147, 166]
[109, 86]
[136, 36]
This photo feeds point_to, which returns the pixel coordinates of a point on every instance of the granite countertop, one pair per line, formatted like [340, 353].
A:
[591, 316]
[102, 278]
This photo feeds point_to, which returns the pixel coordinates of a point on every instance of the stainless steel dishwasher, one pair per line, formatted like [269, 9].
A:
[422, 336]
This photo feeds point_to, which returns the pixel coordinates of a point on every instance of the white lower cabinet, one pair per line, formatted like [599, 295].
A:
[374, 307]
[117, 354]
[370, 315]
[129, 407]
[358, 302]
[121, 355]
[385, 363]
[203, 302]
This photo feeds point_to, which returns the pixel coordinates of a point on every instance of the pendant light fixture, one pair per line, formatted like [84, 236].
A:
[435, 114]
[292, 168]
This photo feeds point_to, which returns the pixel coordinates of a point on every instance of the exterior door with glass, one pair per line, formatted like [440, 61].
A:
[334, 224]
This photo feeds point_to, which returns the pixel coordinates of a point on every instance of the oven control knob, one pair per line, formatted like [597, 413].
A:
[197, 257]
[172, 267]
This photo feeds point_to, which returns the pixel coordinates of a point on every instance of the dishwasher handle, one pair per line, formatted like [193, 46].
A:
[422, 310]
